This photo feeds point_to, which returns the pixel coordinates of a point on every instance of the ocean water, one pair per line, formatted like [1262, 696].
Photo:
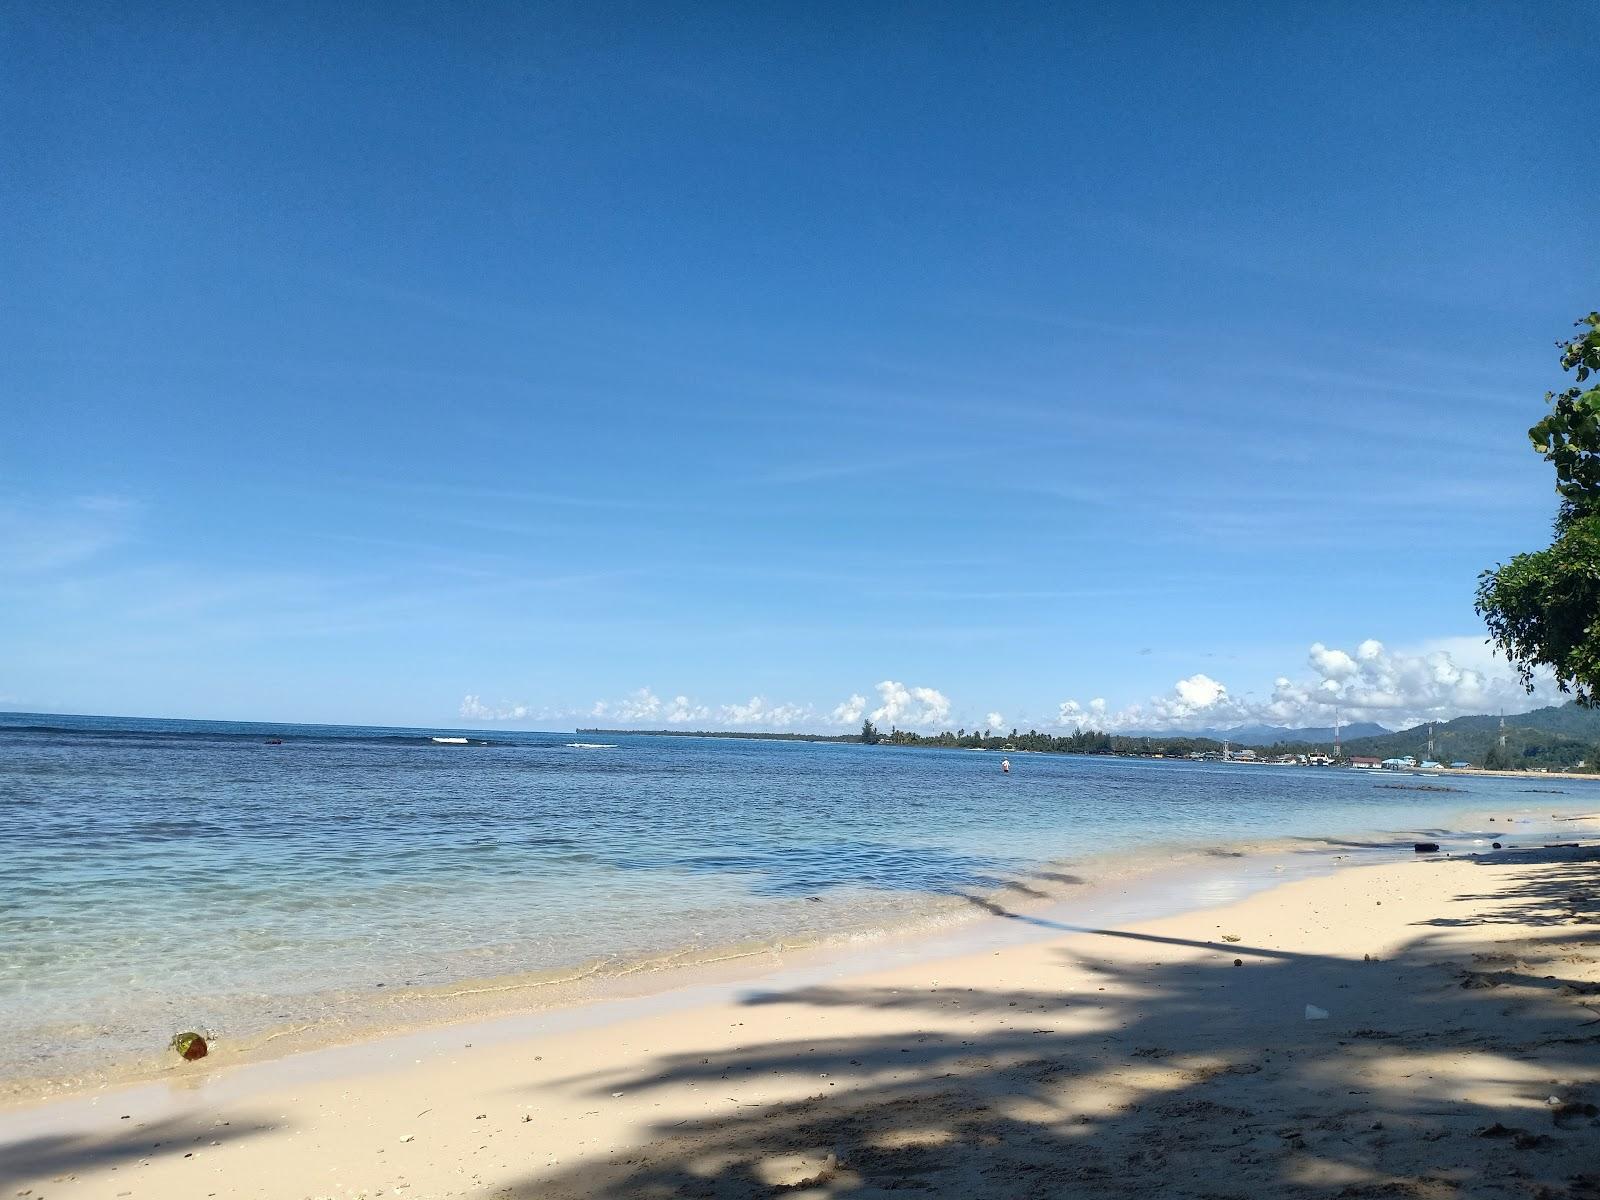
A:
[157, 874]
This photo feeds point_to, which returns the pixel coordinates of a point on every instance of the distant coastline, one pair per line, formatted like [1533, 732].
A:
[1556, 739]
[748, 735]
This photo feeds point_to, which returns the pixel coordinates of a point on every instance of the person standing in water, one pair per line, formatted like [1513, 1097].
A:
[1005, 766]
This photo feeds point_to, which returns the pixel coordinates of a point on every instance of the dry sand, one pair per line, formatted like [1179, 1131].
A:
[1460, 1056]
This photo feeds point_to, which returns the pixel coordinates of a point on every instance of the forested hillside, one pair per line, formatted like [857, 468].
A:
[1557, 737]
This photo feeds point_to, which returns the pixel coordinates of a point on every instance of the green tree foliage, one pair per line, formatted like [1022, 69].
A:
[1569, 437]
[1543, 608]
[869, 733]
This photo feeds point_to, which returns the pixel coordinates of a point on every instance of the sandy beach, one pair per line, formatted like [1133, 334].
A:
[799, 602]
[1459, 1056]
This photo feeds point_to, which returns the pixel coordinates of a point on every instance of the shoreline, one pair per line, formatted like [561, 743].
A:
[1160, 879]
[964, 1068]
[1155, 880]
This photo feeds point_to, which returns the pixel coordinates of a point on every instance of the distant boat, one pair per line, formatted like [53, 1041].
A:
[274, 741]
[451, 741]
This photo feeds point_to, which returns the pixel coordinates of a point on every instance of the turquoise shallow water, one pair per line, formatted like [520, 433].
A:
[156, 870]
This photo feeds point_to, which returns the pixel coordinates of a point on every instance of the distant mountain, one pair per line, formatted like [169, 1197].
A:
[1271, 735]
[1268, 735]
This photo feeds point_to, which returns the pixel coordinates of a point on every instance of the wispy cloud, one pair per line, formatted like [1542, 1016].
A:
[38, 538]
[644, 707]
[474, 709]
[1346, 382]
[875, 465]
[909, 708]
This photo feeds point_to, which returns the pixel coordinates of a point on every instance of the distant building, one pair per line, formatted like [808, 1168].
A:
[1460, 766]
[1365, 763]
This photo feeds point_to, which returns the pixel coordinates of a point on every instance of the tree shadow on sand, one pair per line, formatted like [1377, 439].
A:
[39, 1160]
[1187, 1077]
[1566, 891]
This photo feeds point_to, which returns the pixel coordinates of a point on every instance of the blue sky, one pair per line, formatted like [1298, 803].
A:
[358, 363]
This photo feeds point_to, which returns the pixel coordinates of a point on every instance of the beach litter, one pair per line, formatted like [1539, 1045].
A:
[189, 1046]
[1313, 1013]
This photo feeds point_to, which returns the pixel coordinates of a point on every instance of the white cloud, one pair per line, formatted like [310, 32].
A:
[850, 711]
[682, 710]
[898, 704]
[1196, 702]
[768, 716]
[1439, 680]
[1200, 691]
[1083, 716]
[911, 707]
[474, 709]
[640, 705]
[644, 707]
[1334, 664]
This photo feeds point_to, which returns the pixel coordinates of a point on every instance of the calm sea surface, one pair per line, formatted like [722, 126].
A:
[154, 870]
